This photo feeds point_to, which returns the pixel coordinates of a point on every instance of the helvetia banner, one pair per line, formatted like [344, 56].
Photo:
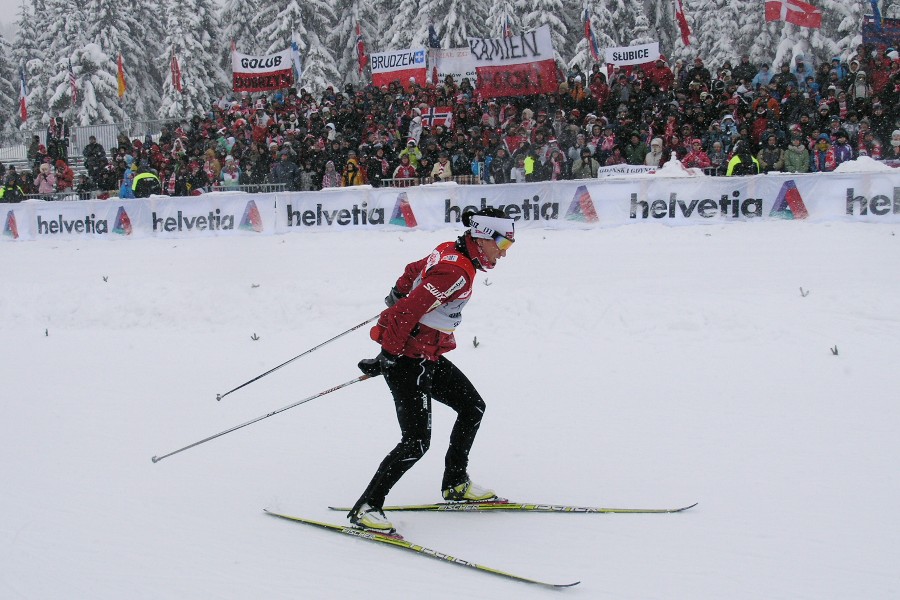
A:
[400, 65]
[261, 73]
[632, 55]
[519, 65]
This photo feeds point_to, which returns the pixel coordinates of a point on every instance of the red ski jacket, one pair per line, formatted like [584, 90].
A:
[437, 288]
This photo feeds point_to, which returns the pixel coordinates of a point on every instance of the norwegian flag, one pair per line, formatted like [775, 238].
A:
[176, 73]
[73, 82]
[361, 55]
[434, 116]
[23, 94]
[507, 26]
[589, 36]
[794, 11]
[682, 23]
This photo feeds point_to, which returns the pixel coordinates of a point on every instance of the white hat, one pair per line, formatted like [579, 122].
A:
[485, 227]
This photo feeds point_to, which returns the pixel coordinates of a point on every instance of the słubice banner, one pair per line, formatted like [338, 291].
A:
[632, 55]
[519, 65]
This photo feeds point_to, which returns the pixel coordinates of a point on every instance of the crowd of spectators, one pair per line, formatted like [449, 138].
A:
[793, 117]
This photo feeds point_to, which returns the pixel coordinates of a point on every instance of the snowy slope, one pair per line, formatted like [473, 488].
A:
[637, 366]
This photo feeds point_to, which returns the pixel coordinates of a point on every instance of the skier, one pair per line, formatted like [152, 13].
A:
[424, 308]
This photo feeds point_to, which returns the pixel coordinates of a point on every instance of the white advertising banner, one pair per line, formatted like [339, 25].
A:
[632, 55]
[214, 214]
[581, 204]
[159, 216]
[456, 62]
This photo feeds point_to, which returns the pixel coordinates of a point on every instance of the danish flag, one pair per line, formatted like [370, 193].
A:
[794, 11]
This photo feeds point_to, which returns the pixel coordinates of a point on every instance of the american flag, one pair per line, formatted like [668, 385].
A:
[73, 81]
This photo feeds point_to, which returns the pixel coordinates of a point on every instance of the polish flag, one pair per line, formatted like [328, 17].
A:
[794, 11]
[682, 23]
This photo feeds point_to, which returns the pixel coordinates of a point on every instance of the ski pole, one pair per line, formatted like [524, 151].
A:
[313, 349]
[156, 459]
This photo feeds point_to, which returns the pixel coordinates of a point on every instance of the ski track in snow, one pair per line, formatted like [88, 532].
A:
[641, 366]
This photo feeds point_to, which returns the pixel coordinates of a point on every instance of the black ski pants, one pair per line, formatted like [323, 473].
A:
[414, 382]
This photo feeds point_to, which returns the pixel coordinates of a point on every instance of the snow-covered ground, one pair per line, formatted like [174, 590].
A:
[638, 366]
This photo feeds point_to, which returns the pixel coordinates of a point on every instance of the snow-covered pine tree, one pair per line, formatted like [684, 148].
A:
[404, 27]
[350, 13]
[313, 23]
[116, 31]
[192, 35]
[455, 21]
[9, 94]
[66, 35]
[241, 25]
[601, 24]
[98, 87]
[661, 16]
[755, 36]
[841, 29]
[716, 33]
[497, 15]
[547, 12]
[641, 34]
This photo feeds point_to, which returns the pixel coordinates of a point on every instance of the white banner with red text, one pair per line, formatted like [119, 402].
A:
[519, 65]
[261, 73]
[582, 204]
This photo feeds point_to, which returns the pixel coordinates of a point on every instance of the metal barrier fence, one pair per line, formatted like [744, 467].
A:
[107, 135]
[411, 181]
[252, 188]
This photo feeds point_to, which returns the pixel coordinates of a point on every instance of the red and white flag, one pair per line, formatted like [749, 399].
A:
[438, 115]
[361, 55]
[23, 95]
[176, 73]
[794, 11]
[682, 23]
[520, 65]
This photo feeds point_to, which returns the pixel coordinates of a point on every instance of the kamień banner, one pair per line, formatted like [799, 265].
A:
[581, 204]
[261, 73]
[519, 65]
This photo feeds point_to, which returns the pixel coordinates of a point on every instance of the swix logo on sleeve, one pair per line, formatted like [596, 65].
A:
[460, 284]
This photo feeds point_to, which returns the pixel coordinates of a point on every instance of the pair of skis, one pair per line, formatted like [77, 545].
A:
[398, 541]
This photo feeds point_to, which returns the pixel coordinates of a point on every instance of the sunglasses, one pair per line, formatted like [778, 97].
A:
[503, 242]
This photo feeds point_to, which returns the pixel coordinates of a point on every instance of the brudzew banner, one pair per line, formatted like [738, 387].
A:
[261, 73]
[455, 62]
[624, 56]
[399, 65]
[519, 65]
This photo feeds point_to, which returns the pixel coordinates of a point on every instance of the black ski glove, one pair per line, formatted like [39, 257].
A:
[392, 298]
[379, 365]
